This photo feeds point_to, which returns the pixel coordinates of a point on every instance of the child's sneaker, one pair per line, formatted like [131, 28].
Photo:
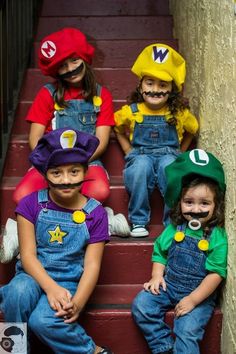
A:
[139, 231]
[118, 224]
[105, 350]
[10, 246]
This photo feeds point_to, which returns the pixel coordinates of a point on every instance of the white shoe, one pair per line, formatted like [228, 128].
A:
[10, 246]
[139, 231]
[118, 224]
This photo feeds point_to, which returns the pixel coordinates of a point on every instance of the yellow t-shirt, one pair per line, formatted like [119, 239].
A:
[126, 119]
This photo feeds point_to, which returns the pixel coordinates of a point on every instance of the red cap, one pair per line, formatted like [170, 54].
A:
[59, 46]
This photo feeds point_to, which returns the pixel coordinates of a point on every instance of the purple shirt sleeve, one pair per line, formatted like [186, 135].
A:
[97, 221]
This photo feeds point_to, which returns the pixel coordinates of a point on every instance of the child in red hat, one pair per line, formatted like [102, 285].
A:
[62, 234]
[76, 101]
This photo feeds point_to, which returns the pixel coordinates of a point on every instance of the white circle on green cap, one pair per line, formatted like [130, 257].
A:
[68, 139]
[199, 157]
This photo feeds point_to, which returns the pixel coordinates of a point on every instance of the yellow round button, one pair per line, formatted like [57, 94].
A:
[203, 245]
[179, 236]
[57, 107]
[78, 216]
[97, 101]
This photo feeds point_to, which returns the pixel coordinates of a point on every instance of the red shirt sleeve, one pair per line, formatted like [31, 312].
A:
[106, 114]
[42, 108]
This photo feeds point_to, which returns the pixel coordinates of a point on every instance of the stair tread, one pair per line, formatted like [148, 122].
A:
[109, 8]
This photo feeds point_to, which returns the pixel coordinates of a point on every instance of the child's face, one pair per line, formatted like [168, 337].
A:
[150, 86]
[68, 66]
[196, 200]
[64, 178]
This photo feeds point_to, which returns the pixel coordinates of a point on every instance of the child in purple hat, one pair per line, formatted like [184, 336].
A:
[62, 235]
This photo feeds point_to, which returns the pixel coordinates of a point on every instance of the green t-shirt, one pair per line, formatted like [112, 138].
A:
[216, 260]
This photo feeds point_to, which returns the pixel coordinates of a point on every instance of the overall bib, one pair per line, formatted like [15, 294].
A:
[155, 145]
[184, 272]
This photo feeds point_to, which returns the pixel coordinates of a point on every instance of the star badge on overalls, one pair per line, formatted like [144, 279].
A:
[57, 235]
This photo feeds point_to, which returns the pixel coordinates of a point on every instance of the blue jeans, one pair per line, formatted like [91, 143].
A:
[149, 311]
[143, 172]
[24, 301]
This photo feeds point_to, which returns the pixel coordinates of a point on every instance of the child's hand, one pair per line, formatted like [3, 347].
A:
[185, 305]
[70, 312]
[58, 297]
[154, 285]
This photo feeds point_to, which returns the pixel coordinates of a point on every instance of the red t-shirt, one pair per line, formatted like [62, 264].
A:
[42, 108]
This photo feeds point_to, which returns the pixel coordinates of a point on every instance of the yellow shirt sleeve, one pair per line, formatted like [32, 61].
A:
[186, 122]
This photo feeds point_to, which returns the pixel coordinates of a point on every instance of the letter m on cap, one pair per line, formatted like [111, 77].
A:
[160, 54]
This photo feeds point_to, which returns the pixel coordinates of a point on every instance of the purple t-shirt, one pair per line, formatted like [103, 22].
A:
[97, 222]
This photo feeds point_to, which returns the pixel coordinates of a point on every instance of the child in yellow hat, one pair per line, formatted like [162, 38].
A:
[159, 126]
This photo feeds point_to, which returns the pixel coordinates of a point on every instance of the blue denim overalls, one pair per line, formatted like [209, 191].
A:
[61, 246]
[183, 274]
[155, 145]
[79, 114]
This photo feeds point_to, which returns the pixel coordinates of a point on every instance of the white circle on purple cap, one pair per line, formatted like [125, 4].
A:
[48, 49]
[199, 157]
[68, 139]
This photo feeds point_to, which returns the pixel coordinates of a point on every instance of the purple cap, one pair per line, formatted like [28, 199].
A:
[63, 146]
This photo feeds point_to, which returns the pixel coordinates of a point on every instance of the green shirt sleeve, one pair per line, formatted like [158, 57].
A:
[162, 245]
[216, 261]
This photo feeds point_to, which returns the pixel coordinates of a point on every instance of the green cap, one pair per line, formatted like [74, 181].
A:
[194, 162]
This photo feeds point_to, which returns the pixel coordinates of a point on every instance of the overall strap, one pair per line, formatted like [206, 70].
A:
[91, 205]
[43, 195]
[134, 107]
[51, 88]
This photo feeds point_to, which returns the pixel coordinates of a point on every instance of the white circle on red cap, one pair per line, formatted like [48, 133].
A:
[199, 157]
[68, 139]
[48, 49]
[160, 54]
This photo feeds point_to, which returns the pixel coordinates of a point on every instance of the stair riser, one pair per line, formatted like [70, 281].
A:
[108, 8]
[129, 339]
[112, 27]
[115, 54]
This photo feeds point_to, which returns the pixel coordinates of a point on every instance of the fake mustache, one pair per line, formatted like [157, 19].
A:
[72, 73]
[155, 93]
[203, 214]
[67, 185]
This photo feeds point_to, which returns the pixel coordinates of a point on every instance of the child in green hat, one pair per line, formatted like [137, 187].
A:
[189, 257]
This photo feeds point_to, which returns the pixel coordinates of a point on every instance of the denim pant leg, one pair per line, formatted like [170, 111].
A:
[164, 161]
[189, 329]
[61, 337]
[139, 179]
[19, 298]
[149, 311]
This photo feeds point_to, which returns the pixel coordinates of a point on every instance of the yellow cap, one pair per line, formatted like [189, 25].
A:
[161, 62]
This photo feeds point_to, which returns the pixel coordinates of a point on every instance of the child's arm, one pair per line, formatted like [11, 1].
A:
[124, 142]
[201, 293]
[87, 283]
[157, 279]
[186, 142]
[103, 134]
[57, 295]
[36, 132]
